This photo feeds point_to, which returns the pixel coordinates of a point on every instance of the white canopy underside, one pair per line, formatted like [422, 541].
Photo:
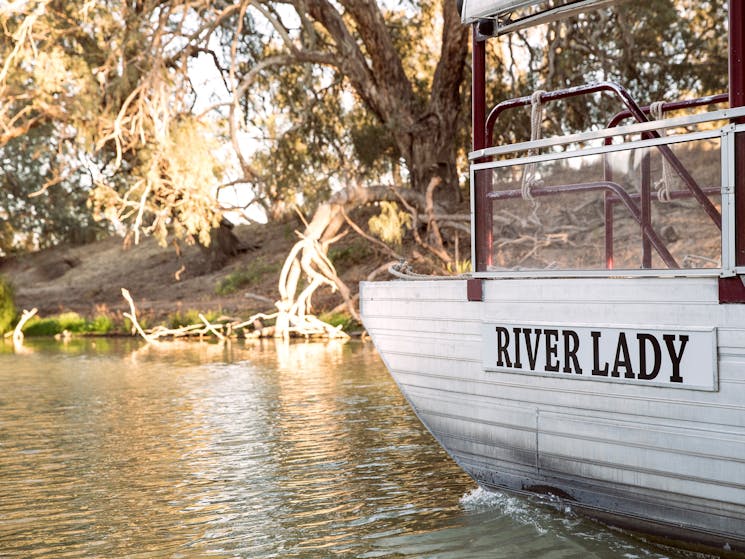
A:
[530, 12]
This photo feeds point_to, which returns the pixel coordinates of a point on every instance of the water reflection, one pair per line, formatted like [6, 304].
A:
[109, 448]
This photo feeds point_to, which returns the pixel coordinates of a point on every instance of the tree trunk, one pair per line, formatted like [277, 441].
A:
[224, 245]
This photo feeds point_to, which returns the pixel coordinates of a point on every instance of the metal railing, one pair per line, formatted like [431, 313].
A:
[637, 204]
[645, 197]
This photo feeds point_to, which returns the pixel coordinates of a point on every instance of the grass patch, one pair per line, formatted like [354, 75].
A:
[251, 273]
[342, 319]
[50, 326]
[7, 305]
[70, 321]
[187, 318]
[101, 324]
[356, 252]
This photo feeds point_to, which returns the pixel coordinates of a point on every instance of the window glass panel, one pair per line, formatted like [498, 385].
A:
[588, 212]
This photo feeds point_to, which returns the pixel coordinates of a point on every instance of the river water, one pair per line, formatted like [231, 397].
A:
[113, 449]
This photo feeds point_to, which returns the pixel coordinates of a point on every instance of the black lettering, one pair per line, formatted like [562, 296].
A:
[643, 373]
[596, 370]
[516, 333]
[622, 360]
[552, 350]
[503, 343]
[675, 358]
[570, 353]
[532, 350]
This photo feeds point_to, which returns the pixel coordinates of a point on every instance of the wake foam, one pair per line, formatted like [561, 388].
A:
[517, 509]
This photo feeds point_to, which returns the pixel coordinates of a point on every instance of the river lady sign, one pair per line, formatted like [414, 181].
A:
[672, 358]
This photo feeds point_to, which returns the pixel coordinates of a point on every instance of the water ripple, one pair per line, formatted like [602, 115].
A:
[290, 451]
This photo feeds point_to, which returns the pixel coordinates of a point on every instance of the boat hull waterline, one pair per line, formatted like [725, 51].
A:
[623, 396]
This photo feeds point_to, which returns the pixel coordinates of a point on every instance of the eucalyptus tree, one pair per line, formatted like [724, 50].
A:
[366, 101]
[312, 101]
[32, 217]
[107, 84]
[342, 93]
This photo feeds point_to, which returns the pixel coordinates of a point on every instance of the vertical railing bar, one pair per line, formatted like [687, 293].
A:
[728, 204]
[608, 208]
[646, 208]
[481, 239]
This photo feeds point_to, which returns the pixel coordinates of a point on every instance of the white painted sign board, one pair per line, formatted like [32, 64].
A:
[666, 357]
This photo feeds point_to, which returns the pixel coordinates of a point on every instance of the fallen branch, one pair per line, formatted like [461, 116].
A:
[18, 332]
[211, 328]
[162, 331]
[253, 320]
[132, 316]
[297, 322]
[438, 251]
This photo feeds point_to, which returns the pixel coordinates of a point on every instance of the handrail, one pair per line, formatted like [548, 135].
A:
[624, 130]
[673, 106]
[648, 130]
[634, 111]
[631, 105]
[666, 152]
[616, 189]
[557, 12]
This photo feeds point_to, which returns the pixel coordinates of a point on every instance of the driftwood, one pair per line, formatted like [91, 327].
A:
[308, 257]
[132, 316]
[18, 332]
[308, 326]
[211, 328]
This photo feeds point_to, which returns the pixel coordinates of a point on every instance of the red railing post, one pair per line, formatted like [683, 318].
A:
[737, 99]
[732, 290]
[482, 213]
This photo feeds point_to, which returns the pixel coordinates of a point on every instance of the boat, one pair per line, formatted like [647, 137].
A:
[604, 370]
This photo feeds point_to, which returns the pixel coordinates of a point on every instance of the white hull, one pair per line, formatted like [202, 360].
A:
[666, 460]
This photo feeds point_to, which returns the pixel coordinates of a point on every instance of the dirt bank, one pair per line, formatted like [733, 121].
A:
[88, 279]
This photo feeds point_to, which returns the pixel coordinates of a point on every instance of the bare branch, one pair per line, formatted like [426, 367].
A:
[357, 229]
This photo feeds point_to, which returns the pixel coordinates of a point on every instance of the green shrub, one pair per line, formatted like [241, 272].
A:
[101, 324]
[42, 327]
[179, 319]
[391, 224]
[7, 305]
[53, 325]
[70, 321]
[342, 319]
[459, 267]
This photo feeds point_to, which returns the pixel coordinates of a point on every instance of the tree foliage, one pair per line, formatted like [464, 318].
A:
[106, 83]
[102, 102]
[32, 217]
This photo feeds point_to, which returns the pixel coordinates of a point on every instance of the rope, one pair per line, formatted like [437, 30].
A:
[536, 118]
[664, 185]
[403, 270]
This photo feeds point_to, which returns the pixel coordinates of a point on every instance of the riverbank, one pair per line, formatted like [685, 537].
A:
[171, 286]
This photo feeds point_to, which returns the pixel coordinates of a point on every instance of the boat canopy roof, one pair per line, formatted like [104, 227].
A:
[523, 13]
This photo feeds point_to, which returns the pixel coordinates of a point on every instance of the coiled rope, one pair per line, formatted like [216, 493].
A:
[403, 270]
[536, 118]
